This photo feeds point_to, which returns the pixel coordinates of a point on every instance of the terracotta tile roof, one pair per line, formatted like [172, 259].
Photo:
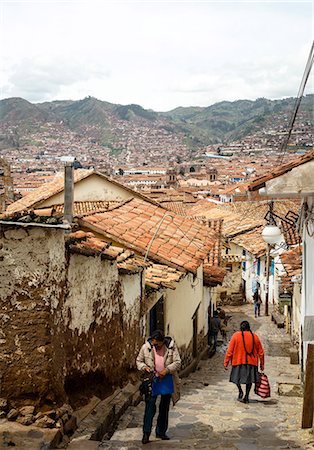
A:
[280, 170]
[292, 262]
[251, 241]
[159, 275]
[215, 225]
[213, 275]
[170, 195]
[156, 275]
[178, 207]
[81, 208]
[239, 188]
[239, 217]
[177, 241]
[290, 233]
[89, 245]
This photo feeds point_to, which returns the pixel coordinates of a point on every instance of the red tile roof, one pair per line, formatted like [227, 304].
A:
[137, 224]
[280, 170]
[159, 276]
[89, 245]
[81, 208]
[292, 262]
[156, 275]
[213, 275]
[245, 220]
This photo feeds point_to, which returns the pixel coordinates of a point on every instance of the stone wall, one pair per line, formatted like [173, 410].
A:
[64, 317]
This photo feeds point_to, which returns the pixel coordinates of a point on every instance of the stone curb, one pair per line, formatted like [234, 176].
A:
[193, 365]
[100, 423]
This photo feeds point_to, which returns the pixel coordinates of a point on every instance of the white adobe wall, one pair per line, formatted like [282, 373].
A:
[296, 312]
[181, 304]
[92, 188]
[307, 301]
[89, 279]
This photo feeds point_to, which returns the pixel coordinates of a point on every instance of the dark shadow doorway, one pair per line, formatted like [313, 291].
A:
[156, 317]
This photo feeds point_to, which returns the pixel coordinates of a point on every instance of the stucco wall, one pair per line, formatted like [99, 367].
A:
[232, 281]
[32, 279]
[179, 308]
[296, 313]
[307, 302]
[298, 181]
[92, 188]
[63, 316]
[100, 318]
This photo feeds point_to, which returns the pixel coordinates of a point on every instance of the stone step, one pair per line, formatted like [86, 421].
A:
[83, 444]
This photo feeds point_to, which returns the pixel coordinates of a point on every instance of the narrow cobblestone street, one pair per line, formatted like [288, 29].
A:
[209, 416]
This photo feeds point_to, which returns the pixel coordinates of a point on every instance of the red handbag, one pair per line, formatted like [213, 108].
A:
[262, 388]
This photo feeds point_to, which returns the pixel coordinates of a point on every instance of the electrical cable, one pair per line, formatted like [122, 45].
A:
[306, 74]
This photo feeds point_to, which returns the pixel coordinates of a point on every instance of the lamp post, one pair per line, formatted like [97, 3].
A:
[272, 235]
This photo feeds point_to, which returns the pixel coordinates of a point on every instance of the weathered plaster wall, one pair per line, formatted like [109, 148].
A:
[133, 326]
[92, 188]
[63, 315]
[299, 181]
[307, 299]
[100, 318]
[232, 281]
[180, 306]
[32, 279]
[296, 313]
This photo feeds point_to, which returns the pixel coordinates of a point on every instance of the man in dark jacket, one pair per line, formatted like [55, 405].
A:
[214, 327]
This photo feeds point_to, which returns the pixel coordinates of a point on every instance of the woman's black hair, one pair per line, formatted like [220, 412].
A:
[245, 326]
[158, 335]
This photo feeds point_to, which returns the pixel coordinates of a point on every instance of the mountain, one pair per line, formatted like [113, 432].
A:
[16, 110]
[227, 121]
[108, 123]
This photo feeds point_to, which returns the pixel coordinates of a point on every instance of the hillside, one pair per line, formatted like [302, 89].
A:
[229, 121]
[120, 126]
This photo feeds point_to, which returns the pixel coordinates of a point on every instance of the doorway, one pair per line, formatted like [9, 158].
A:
[195, 328]
[156, 317]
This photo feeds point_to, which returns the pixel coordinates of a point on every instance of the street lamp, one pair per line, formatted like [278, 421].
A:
[272, 236]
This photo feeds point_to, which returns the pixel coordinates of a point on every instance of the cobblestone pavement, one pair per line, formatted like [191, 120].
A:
[209, 416]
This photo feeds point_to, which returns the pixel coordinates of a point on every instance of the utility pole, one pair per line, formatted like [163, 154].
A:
[267, 279]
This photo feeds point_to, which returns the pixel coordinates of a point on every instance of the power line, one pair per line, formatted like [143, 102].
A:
[297, 103]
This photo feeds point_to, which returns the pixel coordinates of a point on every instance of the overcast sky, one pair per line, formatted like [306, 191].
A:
[159, 54]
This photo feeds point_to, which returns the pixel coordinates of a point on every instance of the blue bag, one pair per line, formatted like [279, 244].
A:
[163, 386]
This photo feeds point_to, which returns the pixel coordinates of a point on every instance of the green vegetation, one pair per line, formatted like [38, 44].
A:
[130, 112]
[116, 151]
[197, 127]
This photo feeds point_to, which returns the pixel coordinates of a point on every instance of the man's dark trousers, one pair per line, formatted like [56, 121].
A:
[163, 415]
[213, 336]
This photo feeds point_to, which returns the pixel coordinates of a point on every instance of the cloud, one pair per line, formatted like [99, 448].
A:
[43, 78]
[157, 54]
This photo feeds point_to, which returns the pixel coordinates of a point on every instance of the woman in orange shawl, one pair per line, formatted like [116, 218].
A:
[244, 353]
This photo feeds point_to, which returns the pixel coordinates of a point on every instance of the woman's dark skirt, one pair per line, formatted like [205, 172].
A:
[244, 374]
